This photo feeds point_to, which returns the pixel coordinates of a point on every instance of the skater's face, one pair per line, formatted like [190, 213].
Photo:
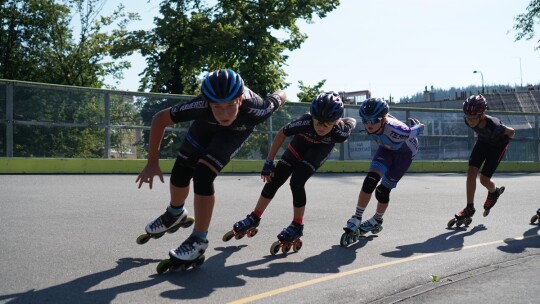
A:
[473, 120]
[323, 127]
[225, 113]
[373, 127]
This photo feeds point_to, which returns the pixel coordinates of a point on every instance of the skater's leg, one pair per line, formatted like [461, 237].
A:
[204, 198]
[488, 183]
[472, 173]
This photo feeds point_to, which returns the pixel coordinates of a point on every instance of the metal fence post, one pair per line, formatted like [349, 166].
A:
[9, 119]
[107, 125]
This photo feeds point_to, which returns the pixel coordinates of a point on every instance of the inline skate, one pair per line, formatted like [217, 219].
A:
[166, 222]
[491, 200]
[190, 254]
[247, 226]
[463, 217]
[352, 231]
[536, 217]
[288, 238]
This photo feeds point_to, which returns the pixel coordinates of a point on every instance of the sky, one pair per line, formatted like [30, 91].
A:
[396, 47]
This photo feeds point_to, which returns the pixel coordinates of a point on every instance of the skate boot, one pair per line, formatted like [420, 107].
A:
[247, 226]
[463, 217]
[352, 231]
[190, 254]
[536, 217]
[167, 222]
[373, 225]
[288, 238]
[491, 200]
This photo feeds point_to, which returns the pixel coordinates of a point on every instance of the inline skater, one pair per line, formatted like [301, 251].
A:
[314, 137]
[398, 145]
[224, 115]
[489, 149]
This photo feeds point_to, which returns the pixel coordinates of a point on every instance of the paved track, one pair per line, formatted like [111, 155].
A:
[71, 239]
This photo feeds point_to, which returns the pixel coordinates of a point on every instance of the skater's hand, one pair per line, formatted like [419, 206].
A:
[148, 173]
[268, 170]
[413, 122]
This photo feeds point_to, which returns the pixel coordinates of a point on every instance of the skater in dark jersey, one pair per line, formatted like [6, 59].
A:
[489, 149]
[224, 115]
[314, 137]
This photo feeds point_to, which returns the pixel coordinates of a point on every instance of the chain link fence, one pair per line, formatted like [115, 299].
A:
[52, 121]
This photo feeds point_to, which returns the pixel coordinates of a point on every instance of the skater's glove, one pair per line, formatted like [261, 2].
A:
[268, 168]
[413, 122]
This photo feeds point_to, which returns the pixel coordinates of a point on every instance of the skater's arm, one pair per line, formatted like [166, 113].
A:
[276, 144]
[510, 132]
[160, 121]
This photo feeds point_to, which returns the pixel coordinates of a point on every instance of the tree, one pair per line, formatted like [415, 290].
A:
[307, 93]
[38, 44]
[526, 22]
[192, 38]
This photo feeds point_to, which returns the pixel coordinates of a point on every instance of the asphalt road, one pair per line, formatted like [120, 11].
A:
[71, 239]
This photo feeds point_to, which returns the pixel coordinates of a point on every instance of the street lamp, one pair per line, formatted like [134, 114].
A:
[482, 79]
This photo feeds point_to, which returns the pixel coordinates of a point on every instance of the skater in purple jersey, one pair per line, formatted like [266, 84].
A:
[224, 115]
[398, 144]
[489, 149]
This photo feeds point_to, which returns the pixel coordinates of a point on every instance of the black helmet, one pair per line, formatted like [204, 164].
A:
[222, 86]
[327, 107]
[475, 105]
[373, 109]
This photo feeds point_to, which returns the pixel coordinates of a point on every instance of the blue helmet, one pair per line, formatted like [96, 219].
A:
[222, 86]
[373, 109]
[327, 107]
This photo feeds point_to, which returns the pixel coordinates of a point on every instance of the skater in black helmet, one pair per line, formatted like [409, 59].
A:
[224, 115]
[314, 136]
[489, 149]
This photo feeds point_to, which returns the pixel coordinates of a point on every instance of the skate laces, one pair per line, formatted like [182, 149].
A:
[188, 246]
[166, 219]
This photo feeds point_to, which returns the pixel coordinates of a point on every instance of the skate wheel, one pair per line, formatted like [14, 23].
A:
[451, 222]
[377, 230]
[252, 232]
[157, 236]
[468, 221]
[274, 249]
[163, 266]
[296, 247]
[486, 212]
[188, 221]
[344, 240]
[198, 262]
[228, 236]
[174, 229]
[534, 218]
[239, 236]
[143, 238]
[286, 248]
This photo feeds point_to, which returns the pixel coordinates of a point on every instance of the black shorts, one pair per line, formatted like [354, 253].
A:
[488, 154]
[215, 144]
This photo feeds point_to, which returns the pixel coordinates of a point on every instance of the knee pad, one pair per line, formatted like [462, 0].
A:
[383, 194]
[181, 174]
[203, 180]
[370, 182]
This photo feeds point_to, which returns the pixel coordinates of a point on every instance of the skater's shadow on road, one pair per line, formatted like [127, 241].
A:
[213, 274]
[78, 290]
[328, 261]
[530, 240]
[449, 241]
